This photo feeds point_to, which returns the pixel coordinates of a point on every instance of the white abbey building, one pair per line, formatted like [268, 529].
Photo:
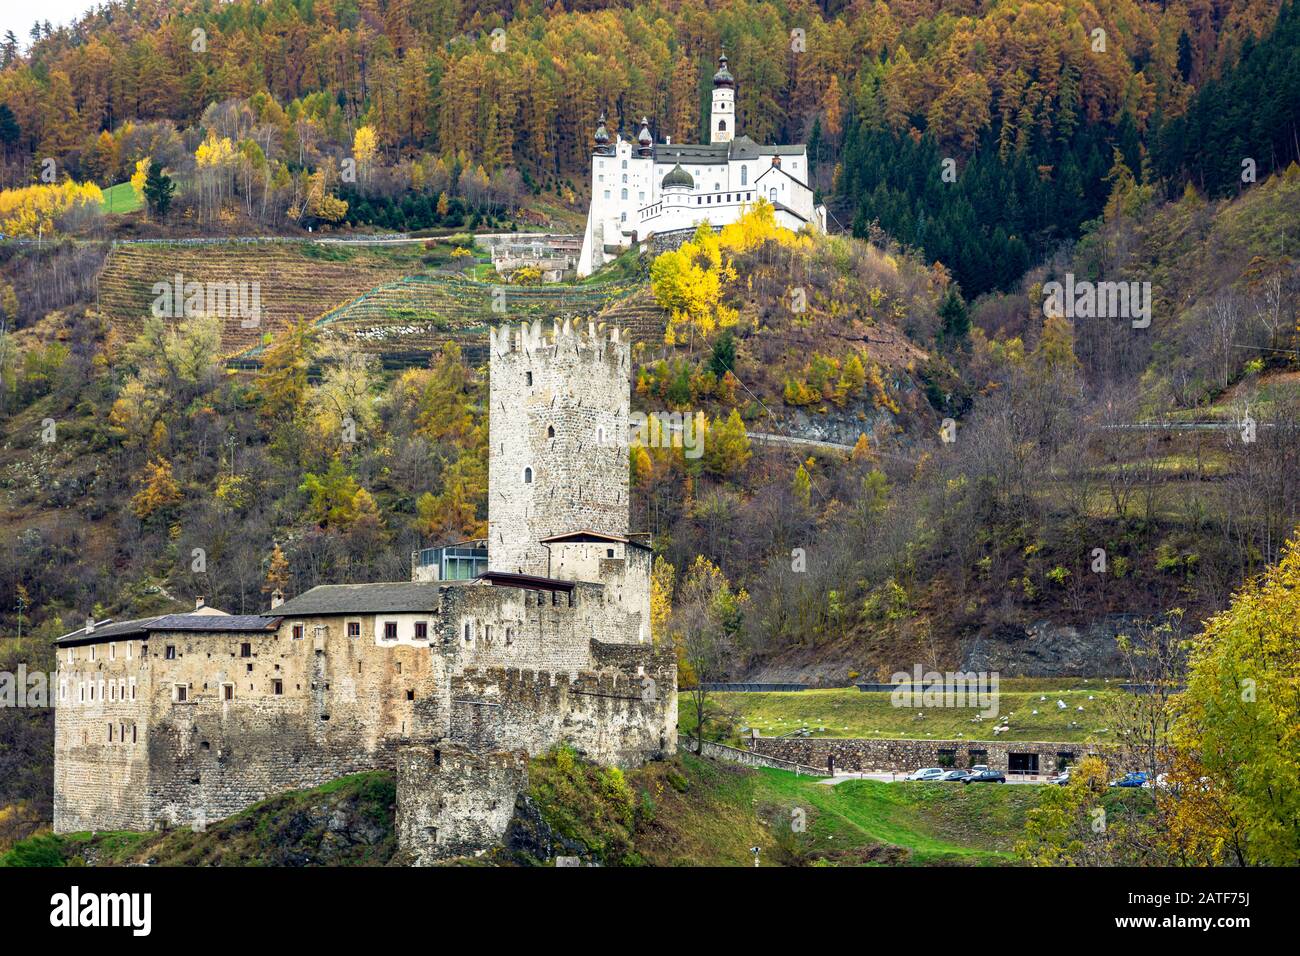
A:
[641, 188]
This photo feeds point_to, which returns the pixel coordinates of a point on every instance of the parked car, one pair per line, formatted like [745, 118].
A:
[927, 773]
[1136, 778]
[955, 775]
[1062, 778]
[985, 776]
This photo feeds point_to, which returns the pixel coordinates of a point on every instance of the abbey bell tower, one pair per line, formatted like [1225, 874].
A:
[722, 121]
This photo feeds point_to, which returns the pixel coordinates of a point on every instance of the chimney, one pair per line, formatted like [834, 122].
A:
[277, 598]
[90, 625]
[198, 603]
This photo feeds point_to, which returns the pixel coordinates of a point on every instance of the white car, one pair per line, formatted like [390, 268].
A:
[927, 773]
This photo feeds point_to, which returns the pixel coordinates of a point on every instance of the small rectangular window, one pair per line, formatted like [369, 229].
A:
[421, 630]
[228, 691]
[297, 632]
[245, 650]
[390, 630]
[182, 693]
[354, 628]
[110, 733]
[277, 687]
[171, 652]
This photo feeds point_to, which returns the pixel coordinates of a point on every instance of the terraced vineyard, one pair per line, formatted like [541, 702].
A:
[640, 315]
[295, 280]
[410, 318]
[385, 301]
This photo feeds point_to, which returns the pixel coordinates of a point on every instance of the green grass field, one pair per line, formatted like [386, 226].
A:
[121, 198]
[848, 712]
[867, 821]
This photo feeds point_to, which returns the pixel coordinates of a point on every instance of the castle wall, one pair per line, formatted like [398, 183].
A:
[345, 703]
[454, 802]
[100, 784]
[559, 411]
[625, 716]
[624, 572]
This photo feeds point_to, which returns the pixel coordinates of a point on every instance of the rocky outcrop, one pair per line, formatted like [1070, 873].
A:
[1047, 649]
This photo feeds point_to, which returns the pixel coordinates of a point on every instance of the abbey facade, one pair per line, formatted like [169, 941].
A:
[641, 188]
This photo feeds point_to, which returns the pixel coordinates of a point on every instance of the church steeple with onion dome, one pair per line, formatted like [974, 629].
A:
[722, 119]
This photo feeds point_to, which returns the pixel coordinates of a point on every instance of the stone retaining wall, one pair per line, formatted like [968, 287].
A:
[860, 755]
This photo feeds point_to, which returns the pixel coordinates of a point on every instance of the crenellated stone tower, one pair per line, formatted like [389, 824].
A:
[558, 430]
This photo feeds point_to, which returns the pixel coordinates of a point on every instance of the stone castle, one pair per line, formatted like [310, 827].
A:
[495, 650]
[641, 188]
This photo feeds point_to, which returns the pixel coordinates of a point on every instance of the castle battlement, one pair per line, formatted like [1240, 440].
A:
[531, 337]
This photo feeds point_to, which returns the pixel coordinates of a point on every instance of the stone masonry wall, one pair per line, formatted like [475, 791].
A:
[858, 755]
[344, 703]
[625, 713]
[101, 782]
[558, 407]
[454, 802]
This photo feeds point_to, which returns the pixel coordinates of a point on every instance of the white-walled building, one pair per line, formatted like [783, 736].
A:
[639, 188]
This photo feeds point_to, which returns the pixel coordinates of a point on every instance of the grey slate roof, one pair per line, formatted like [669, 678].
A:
[214, 622]
[143, 626]
[380, 598]
[742, 147]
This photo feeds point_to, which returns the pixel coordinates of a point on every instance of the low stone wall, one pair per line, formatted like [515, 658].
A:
[861, 755]
[749, 758]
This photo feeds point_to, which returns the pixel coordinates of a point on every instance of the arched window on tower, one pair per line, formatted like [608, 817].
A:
[550, 431]
[528, 476]
[773, 192]
[722, 126]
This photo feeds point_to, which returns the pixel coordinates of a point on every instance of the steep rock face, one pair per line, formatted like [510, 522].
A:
[530, 839]
[1047, 649]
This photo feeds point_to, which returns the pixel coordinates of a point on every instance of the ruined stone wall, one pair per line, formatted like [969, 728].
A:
[454, 802]
[859, 755]
[558, 411]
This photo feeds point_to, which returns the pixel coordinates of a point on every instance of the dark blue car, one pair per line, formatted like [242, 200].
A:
[1137, 778]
